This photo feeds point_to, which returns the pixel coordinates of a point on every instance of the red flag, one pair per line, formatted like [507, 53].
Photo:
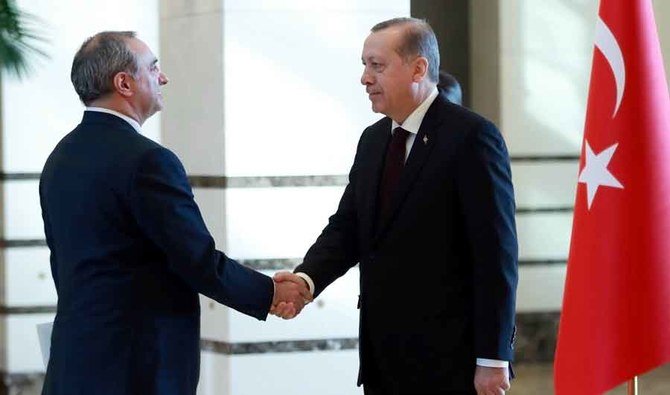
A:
[615, 321]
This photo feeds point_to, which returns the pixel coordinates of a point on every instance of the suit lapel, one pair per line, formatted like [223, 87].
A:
[423, 144]
[373, 173]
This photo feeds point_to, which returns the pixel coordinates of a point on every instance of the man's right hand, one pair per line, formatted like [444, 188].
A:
[491, 381]
[291, 295]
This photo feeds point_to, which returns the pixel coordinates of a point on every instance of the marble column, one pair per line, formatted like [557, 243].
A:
[265, 109]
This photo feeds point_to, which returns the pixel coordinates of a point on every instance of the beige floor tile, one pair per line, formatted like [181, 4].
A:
[537, 379]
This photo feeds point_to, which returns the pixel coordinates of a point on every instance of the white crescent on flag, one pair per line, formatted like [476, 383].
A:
[595, 173]
[608, 45]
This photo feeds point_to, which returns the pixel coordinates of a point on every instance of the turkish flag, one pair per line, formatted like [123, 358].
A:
[615, 321]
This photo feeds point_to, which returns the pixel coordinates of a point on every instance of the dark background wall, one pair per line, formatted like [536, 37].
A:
[450, 20]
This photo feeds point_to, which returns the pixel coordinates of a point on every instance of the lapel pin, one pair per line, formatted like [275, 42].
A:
[425, 140]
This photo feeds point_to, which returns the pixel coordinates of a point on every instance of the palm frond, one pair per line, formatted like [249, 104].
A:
[18, 39]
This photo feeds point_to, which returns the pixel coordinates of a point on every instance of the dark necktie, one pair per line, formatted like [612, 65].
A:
[395, 161]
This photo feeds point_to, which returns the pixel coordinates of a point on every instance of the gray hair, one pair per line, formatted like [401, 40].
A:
[418, 40]
[98, 60]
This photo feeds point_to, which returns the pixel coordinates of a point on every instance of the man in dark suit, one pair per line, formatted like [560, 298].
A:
[449, 88]
[129, 249]
[429, 215]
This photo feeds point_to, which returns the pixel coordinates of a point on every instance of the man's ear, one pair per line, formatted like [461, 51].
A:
[124, 83]
[420, 69]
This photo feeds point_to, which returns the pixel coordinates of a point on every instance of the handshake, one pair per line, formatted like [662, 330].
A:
[291, 295]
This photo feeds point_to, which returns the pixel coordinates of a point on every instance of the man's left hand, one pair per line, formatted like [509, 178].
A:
[491, 381]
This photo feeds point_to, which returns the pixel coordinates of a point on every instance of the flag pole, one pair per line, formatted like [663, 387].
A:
[632, 386]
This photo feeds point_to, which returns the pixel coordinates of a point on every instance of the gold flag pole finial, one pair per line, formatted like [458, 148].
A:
[632, 386]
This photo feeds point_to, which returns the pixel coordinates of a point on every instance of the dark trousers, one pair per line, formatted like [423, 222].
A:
[373, 383]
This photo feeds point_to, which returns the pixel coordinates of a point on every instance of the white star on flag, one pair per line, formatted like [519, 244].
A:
[595, 173]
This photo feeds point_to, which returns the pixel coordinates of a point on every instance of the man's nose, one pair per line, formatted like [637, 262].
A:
[366, 79]
[163, 79]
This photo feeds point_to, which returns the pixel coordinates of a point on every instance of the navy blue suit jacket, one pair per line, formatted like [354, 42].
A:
[129, 254]
[439, 275]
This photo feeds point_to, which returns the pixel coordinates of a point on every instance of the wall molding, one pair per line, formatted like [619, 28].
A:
[27, 310]
[21, 243]
[274, 347]
[535, 341]
[544, 158]
[271, 264]
[20, 176]
[541, 262]
[222, 182]
[544, 210]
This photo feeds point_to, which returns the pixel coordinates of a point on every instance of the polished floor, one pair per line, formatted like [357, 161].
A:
[537, 380]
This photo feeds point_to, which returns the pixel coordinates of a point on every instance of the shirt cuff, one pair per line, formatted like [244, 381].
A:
[274, 292]
[492, 363]
[309, 281]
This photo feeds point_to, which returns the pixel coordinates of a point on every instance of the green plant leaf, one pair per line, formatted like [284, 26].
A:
[19, 39]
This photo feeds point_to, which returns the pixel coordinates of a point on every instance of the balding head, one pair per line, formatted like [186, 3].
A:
[98, 60]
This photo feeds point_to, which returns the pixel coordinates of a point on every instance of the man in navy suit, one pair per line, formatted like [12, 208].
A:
[129, 249]
[449, 88]
[429, 216]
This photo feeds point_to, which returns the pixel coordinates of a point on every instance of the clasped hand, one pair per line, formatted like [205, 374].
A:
[291, 295]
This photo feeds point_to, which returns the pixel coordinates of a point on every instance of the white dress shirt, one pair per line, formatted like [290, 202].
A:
[413, 121]
[126, 118]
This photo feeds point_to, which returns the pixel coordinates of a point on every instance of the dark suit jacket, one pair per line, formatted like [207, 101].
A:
[129, 254]
[438, 278]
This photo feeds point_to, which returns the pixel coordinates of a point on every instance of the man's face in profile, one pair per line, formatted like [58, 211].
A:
[387, 77]
[149, 78]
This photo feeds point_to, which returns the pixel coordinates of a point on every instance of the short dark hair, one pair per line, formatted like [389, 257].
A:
[98, 60]
[449, 88]
[418, 40]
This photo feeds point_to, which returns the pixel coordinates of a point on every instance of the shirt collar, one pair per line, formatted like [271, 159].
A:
[126, 118]
[413, 122]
